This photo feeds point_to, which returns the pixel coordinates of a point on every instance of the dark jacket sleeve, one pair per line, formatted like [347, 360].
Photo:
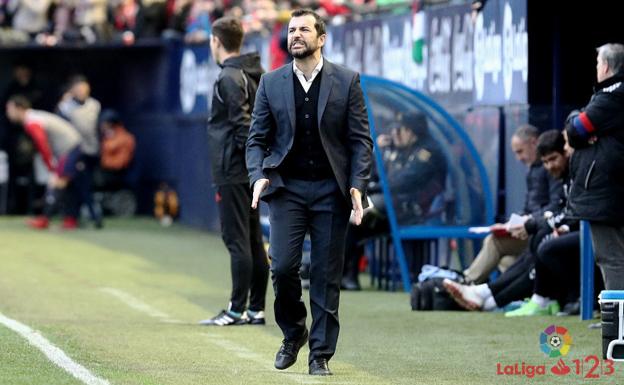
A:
[233, 92]
[259, 133]
[556, 205]
[534, 224]
[359, 139]
[556, 197]
[601, 116]
[544, 193]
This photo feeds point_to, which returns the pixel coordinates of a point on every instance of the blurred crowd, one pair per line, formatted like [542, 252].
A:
[53, 22]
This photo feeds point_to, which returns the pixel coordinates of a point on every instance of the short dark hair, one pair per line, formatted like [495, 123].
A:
[550, 141]
[229, 31]
[20, 101]
[76, 79]
[415, 121]
[319, 23]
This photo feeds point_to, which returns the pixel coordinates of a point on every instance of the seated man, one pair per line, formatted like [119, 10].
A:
[114, 179]
[518, 281]
[543, 194]
[416, 171]
[557, 266]
[117, 143]
[415, 167]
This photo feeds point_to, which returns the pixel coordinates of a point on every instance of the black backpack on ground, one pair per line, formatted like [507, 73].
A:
[431, 295]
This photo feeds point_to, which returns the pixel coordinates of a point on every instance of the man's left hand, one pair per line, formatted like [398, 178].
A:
[358, 212]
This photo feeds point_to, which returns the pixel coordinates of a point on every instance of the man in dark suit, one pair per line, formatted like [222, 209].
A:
[309, 156]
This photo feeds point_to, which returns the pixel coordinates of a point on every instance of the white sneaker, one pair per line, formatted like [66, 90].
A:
[254, 318]
[464, 295]
[225, 318]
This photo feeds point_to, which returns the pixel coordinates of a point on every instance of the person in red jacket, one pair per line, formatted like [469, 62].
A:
[118, 144]
[58, 142]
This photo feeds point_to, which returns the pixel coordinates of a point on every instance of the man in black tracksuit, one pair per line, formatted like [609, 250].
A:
[232, 103]
[597, 167]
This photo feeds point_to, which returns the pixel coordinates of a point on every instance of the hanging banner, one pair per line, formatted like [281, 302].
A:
[501, 63]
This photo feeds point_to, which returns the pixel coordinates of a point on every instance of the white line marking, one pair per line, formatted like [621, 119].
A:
[139, 305]
[245, 353]
[239, 351]
[54, 354]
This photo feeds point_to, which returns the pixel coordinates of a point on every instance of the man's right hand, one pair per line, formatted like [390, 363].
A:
[57, 182]
[258, 188]
[498, 227]
[384, 140]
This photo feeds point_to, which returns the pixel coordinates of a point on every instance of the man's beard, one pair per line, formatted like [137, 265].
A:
[301, 54]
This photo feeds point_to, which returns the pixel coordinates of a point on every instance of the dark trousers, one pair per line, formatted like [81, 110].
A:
[242, 235]
[516, 282]
[68, 167]
[608, 242]
[557, 268]
[55, 199]
[81, 188]
[320, 208]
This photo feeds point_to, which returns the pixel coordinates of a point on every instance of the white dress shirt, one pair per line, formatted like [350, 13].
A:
[307, 83]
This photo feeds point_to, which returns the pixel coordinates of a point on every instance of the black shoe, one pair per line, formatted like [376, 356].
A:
[225, 318]
[287, 354]
[319, 367]
[349, 284]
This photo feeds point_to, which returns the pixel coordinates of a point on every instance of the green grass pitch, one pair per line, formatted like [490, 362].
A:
[69, 286]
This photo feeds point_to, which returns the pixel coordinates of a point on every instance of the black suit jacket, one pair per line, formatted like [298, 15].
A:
[342, 119]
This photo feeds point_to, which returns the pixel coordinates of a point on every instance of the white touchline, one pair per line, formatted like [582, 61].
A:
[54, 354]
[239, 351]
[137, 304]
[247, 354]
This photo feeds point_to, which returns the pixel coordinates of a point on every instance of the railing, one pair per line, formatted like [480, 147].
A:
[587, 273]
